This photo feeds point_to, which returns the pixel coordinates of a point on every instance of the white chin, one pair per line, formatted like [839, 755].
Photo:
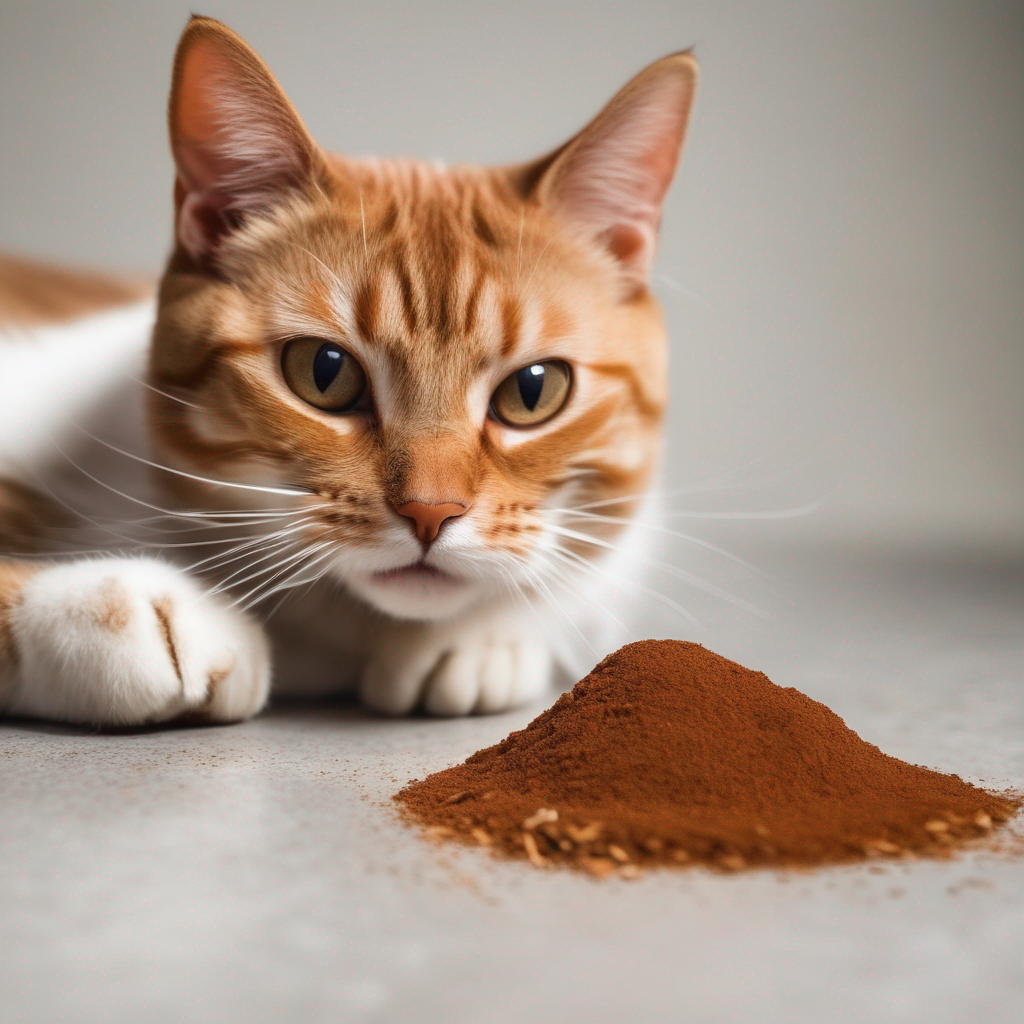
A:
[414, 595]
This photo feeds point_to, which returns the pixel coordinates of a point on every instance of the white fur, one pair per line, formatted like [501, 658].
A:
[470, 664]
[92, 648]
[53, 377]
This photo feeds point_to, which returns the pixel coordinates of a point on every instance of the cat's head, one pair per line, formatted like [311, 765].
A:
[437, 357]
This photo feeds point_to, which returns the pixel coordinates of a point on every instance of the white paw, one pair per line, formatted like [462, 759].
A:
[476, 671]
[130, 641]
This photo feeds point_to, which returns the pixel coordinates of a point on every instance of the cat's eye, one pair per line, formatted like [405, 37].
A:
[323, 374]
[532, 394]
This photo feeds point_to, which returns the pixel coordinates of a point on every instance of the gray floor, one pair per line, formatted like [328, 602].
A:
[258, 872]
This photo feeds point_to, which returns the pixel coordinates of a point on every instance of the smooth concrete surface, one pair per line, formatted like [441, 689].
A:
[259, 872]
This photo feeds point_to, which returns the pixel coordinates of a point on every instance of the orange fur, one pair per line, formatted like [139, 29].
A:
[35, 293]
[445, 271]
[442, 284]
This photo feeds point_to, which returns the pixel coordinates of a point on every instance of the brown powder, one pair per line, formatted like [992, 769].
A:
[669, 754]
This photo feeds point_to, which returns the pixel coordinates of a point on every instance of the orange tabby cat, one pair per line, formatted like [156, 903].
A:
[384, 409]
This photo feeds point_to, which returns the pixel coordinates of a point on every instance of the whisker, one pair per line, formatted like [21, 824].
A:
[277, 607]
[272, 551]
[287, 595]
[173, 526]
[600, 609]
[70, 553]
[698, 541]
[223, 585]
[719, 483]
[600, 572]
[292, 579]
[221, 558]
[276, 569]
[238, 518]
[677, 287]
[671, 570]
[193, 476]
[785, 513]
[526, 287]
[541, 584]
[127, 497]
[782, 513]
[338, 282]
[165, 394]
[219, 542]
[97, 523]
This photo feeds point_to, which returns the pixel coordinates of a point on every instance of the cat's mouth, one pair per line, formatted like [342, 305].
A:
[415, 572]
[415, 590]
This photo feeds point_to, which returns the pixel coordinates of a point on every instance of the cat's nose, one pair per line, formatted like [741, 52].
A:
[428, 518]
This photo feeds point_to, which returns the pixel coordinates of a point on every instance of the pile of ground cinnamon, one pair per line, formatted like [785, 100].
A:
[669, 754]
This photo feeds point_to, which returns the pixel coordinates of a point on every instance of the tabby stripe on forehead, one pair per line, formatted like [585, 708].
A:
[444, 321]
[511, 324]
[483, 230]
[390, 218]
[473, 299]
[367, 306]
[408, 296]
[439, 267]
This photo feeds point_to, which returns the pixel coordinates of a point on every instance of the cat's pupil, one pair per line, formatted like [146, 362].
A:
[326, 364]
[531, 384]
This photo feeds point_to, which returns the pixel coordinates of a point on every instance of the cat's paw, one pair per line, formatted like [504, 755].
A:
[132, 641]
[475, 671]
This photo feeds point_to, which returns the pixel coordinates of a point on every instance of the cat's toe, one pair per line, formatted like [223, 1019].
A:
[468, 673]
[454, 686]
[486, 678]
[533, 671]
[497, 679]
[392, 683]
[238, 682]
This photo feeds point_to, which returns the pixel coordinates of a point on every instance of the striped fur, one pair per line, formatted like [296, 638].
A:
[441, 283]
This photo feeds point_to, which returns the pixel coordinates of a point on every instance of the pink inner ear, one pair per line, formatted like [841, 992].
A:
[237, 143]
[612, 181]
[203, 221]
[194, 116]
[626, 242]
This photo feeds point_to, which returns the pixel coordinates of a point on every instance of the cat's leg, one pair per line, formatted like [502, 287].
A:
[479, 664]
[121, 641]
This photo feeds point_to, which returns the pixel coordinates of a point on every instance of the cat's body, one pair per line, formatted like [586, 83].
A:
[400, 414]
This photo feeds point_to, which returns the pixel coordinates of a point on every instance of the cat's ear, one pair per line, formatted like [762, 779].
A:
[238, 144]
[609, 182]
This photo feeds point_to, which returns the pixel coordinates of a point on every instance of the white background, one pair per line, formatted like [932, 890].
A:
[846, 225]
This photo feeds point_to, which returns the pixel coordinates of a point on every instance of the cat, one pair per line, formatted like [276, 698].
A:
[392, 422]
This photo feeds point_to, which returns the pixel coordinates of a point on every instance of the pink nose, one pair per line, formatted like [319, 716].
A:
[428, 518]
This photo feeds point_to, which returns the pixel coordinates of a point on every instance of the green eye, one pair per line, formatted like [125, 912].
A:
[323, 374]
[533, 394]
